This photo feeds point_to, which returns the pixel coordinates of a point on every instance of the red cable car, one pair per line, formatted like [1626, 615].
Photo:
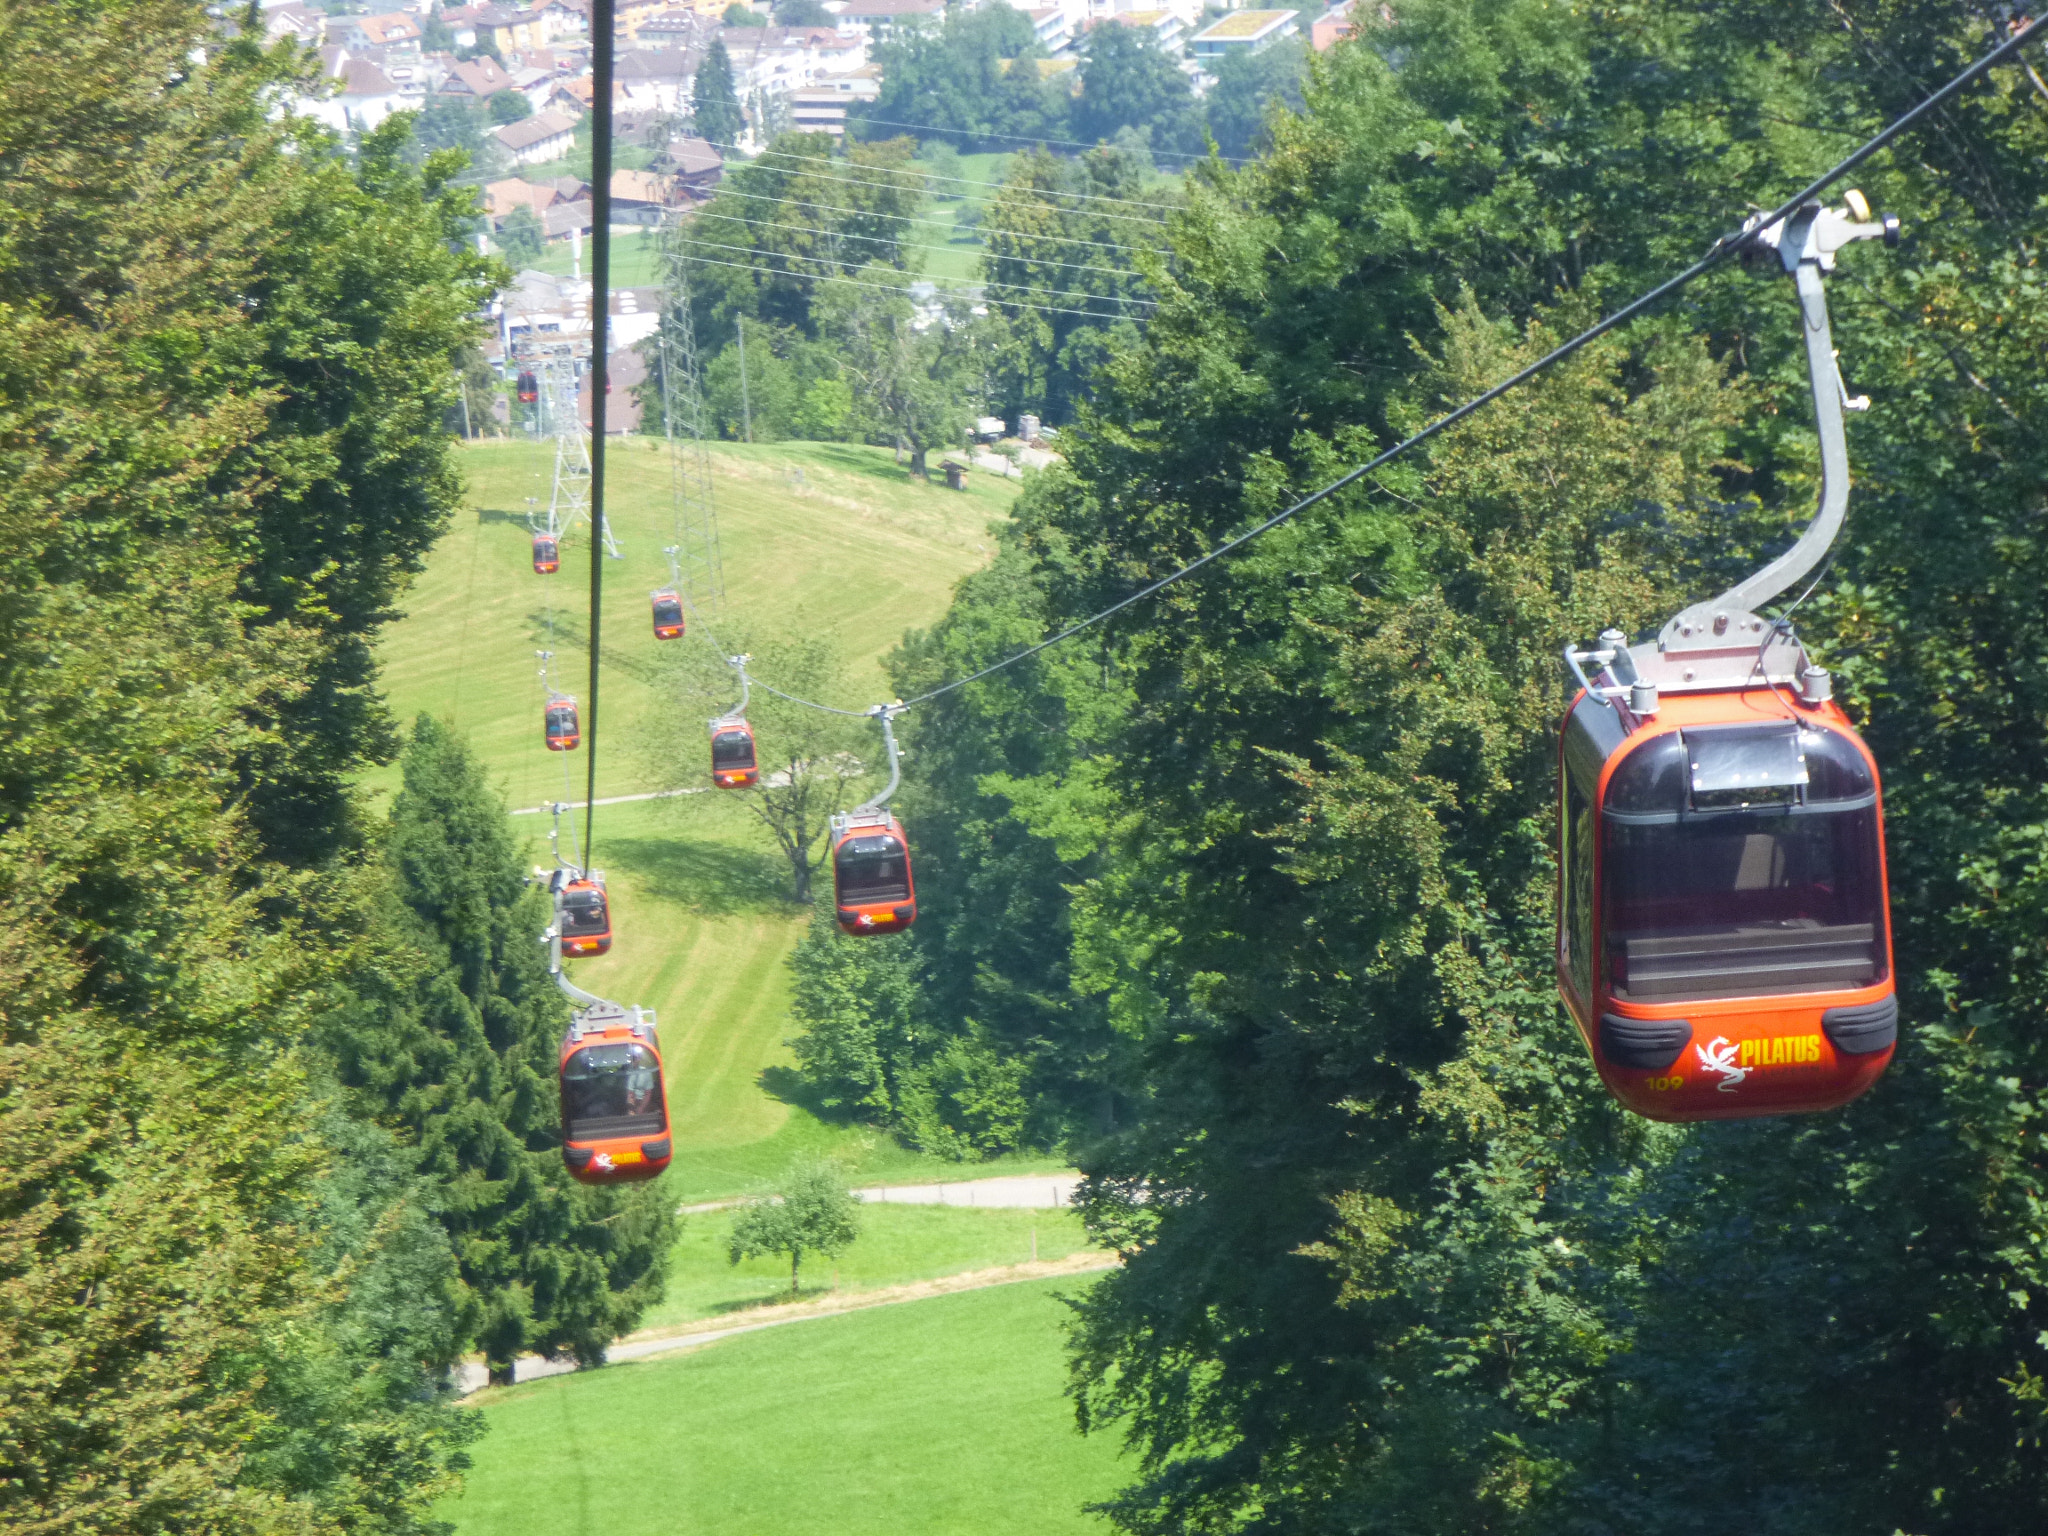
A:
[871, 882]
[733, 762]
[547, 554]
[564, 734]
[668, 614]
[585, 916]
[614, 1103]
[528, 388]
[1724, 934]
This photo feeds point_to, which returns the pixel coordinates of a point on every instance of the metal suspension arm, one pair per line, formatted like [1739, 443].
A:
[886, 713]
[1805, 246]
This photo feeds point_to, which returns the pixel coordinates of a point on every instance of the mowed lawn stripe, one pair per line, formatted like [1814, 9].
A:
[930, 1418]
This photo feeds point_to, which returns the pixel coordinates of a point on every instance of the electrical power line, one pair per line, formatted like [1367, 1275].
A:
[797, 202]
[1719, 251]
[1019, 138]
[1057, 293]
[926, 176]
[819, 277]
[908, 245]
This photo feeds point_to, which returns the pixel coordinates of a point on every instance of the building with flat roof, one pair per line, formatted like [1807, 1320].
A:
[1242, 32]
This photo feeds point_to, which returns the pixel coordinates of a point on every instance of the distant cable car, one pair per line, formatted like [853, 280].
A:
[564, 734]
[872, 888]
[585, 916]
[733, 762]
[668, 614]
[614, 1103]
[871, 883]
[547, 554]
[528, 388]
[1724, 935]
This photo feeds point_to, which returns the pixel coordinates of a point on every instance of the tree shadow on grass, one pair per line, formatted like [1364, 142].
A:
[773, 1299]
[787, 1085]
[717, 879]
[489, 515]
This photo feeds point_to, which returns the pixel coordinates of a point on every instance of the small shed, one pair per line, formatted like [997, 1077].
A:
[956, 474]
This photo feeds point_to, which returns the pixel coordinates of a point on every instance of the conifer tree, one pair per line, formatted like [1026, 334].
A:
[714, 104]
[450, 1032]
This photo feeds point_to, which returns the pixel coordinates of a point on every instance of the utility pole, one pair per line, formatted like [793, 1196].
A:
[746, 409]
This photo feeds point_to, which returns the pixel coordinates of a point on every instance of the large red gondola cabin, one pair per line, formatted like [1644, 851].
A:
[614, 1102]
[547, 554]
[527, 388]
[1724, 942]
[585, 917]
[564, 733]
[668, 614]
[871, 881]
[734, 764]
[1724, 936]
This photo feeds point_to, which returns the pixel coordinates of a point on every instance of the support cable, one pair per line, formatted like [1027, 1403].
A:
[601, 22]
[1722, 248]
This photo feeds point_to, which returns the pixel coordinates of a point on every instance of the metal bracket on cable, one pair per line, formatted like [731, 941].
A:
[870, 812]
[739, 710]
[1724, 642]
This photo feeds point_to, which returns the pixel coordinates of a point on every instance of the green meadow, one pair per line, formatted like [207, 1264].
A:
[898, 1245]
[941, 1417]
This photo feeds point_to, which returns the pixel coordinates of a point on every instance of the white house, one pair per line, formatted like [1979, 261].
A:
[657, 80]
[357, 95]
[538, 139]
[872, 20]
[1241, 32]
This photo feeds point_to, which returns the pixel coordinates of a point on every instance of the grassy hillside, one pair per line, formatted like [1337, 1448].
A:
[932, 1418]
[826, 534]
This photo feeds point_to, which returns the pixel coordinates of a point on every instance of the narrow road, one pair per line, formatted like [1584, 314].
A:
[1009, 1192]
[577, 805]
[470, 1375]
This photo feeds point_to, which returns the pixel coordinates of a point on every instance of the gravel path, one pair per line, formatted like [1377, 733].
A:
[470, 1375]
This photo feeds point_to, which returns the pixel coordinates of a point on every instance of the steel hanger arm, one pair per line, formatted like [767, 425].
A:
[1805, 246]
[886, 713]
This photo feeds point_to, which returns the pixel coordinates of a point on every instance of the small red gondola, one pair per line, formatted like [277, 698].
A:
[614, 1103]
[547, 554]
[1724, 942]
[564, 733]
[1724, 934]
[733, 761]
[585, 916]
[528, 388]
[668, 614]
[871, 881]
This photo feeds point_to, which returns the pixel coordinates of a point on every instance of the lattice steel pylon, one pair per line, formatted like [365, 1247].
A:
[694, 557]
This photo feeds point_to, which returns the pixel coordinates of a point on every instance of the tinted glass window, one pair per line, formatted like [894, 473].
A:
[1745, 903]
[667, 611]
[584, 912]
[871, 869]
[1654, 777]
[732, 749]
[561, 720]
[611, 1090]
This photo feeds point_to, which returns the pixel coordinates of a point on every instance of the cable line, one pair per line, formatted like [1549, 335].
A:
[797, 202]
[1723, 247]
[1019, 138]
[908, 245]
[1057, 293]
[819, 277]
[903, 186]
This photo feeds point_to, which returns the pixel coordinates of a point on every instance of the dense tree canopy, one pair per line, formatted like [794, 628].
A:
[1277, 882]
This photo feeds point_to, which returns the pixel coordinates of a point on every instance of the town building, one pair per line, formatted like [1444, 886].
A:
[873, 20]
[394, 31]
[538, 139]
[1242, 32]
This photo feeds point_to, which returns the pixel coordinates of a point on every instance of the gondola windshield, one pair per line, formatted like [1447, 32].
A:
[872, 869]
[612, 1090]
[1738, 863]
[732, 749]
[667, 609]
[583, 911]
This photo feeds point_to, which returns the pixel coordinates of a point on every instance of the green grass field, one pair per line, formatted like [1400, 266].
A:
[898, 1244]
[943, 1417]
[958, 256]
[636, 256]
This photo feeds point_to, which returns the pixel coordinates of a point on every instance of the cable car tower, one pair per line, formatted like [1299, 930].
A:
[694, 560]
